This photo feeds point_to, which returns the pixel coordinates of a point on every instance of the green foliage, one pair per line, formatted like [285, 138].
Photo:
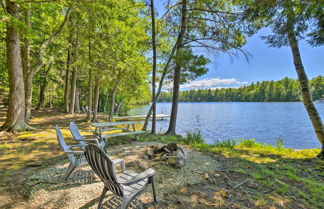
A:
[285, 90]
[248, 143]
[193, 66]
[305, 18]
[194, 137]
[230, 143]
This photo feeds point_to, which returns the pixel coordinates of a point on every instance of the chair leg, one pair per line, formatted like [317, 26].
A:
[69, 171]
[125, 203]
[153, 188]
[102, 197]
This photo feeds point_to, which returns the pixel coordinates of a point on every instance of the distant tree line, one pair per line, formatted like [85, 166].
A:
[285, 90]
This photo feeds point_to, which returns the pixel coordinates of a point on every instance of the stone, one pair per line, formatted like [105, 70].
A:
[206, 176]
[172, 160]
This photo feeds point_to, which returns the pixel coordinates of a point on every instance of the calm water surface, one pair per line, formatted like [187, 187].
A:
[265, 122]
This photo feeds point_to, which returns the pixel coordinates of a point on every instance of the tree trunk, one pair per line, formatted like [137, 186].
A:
[67, 78]
[106, 102]
[73, 90]
[153, 68]
[90, 84]
[112, 103]
[118, 108]
[28, 95]
[306, 96]
[96, 102]
[75, 56]
[15, 119]
[177, 72]
[41, 97]
[165, 70]
[43, 88]
[26, 67]
[77, 100]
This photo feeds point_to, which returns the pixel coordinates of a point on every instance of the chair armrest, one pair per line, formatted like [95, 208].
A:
[94, 140]
[77, 146]
[140, 177]
[75, 152]
[121, 162]
[94, 135]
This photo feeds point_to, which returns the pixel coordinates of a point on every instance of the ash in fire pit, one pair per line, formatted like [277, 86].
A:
[171, 153]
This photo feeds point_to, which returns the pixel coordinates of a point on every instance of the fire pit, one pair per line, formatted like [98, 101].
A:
[171, 153]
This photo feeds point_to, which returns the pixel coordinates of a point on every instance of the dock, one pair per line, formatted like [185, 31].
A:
[142, 117]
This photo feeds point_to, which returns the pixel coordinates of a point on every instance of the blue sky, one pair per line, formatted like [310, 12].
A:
[266, 63]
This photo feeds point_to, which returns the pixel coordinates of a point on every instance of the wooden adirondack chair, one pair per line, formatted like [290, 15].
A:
[83, 140]
[76, 157]
[127, 184]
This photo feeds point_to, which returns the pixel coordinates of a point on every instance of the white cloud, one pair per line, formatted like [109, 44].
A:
[213, 83]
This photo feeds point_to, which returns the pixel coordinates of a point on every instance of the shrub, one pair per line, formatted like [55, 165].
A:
[230, 143]
[279, 143]
[248, 143]
[194, 137]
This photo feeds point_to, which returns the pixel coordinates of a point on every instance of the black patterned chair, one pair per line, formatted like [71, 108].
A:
[127, 184]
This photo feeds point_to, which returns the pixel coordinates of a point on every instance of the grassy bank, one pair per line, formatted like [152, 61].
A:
[283, 175]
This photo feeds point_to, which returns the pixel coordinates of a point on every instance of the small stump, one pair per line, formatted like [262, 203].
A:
[171, 153]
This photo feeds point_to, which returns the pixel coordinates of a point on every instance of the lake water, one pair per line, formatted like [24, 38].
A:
[265, 122]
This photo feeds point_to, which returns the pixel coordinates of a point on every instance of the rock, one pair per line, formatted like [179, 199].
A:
[150, 153]
[184, 152]
[164, 157]
[224, 193]
[216, 175]
[172, 146]
[158, 156]
[206, 176]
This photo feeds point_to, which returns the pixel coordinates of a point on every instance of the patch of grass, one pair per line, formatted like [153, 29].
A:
[230, 143]
[194, 137]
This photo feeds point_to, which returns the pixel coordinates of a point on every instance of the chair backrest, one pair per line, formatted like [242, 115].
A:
[103, 167]
[63, 145]
[76, 133]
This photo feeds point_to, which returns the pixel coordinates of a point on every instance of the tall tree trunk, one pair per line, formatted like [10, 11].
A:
[90, 84]
[96, 102]
[307, 99]
[153, 68]
[41, 97]
[77, 100]
[177, 72]
[112, 103]
[73, 90]
[67, 78]
[75, 56]
[16, 109]
[106, 102]
[165, 70]
[26, 66]
[118, 108]
[43, 88]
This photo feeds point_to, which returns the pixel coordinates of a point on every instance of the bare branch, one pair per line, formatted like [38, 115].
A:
[213, 11]
[169, 9]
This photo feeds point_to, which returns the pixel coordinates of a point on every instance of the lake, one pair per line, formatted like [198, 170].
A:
[265, 122]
